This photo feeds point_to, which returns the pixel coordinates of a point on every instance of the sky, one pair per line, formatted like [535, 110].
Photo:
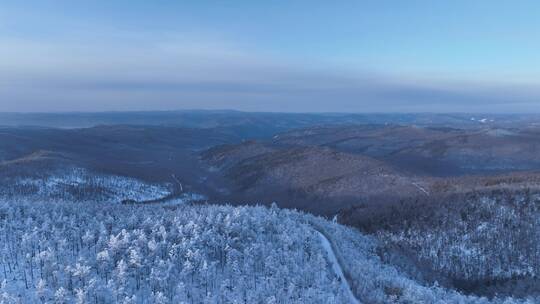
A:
[279, 56]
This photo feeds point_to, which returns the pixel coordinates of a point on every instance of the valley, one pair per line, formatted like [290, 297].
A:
[449, 209]
[269, 152]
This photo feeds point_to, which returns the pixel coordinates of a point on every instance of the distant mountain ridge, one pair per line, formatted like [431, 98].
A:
[263, 122]
[420, 192]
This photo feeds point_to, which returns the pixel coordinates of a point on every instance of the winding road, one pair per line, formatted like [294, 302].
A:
[336, 267]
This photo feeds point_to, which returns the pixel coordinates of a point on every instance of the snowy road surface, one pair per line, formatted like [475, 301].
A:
[421, 188]
[337, 268]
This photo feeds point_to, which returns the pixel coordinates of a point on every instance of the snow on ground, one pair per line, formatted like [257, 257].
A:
[78, 184]
[115, 253]
[421, 188]
[184, 198]
[336, 267]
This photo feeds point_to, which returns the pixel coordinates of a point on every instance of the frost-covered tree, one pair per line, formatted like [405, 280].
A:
[112, 253]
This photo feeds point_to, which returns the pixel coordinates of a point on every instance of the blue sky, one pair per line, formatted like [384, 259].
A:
[295, 56]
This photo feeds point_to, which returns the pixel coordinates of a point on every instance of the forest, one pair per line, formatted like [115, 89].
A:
[114, 253]
[482, 242]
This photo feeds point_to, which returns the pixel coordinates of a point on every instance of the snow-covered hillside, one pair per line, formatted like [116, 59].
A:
[112, 253]
[484, 243]
[78, 184]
